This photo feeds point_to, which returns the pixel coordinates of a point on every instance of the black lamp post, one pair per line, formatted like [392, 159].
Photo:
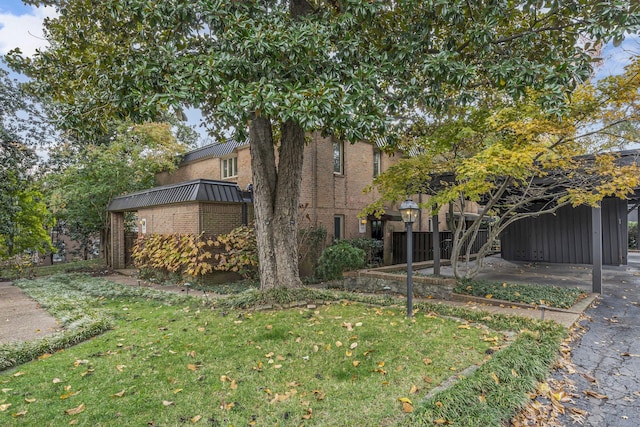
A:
[409, 212]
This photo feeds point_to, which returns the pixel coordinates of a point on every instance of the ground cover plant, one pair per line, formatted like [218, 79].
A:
[92, 265]
[173, 360]
[551, 296]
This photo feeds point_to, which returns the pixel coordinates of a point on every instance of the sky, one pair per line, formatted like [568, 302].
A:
[21, 26]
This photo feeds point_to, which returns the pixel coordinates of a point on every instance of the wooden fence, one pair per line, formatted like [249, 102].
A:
[423, 245]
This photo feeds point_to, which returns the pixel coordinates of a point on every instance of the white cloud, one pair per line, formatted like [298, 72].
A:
[24, 31]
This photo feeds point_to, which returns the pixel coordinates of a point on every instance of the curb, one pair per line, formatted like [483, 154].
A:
[577, 308]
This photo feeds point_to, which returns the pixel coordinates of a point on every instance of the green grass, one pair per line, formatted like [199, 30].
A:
[171, 359]
[552, 296]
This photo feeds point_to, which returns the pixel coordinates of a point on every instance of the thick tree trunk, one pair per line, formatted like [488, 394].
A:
[276, 199]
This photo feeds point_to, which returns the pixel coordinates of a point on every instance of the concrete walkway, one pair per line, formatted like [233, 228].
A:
[21, 318]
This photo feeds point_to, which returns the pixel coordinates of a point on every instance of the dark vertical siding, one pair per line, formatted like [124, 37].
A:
[423, 245]
[565, 237]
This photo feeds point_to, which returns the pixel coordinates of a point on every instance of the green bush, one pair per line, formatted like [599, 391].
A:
[632, 234]
[372, 249]
[337, 258]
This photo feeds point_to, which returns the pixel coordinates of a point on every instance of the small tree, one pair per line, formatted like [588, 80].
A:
[516, 160]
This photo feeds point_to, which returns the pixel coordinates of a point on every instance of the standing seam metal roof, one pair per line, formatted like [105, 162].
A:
[218, 149]
[199, 190]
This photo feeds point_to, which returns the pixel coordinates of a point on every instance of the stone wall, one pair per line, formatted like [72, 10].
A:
[375, 282]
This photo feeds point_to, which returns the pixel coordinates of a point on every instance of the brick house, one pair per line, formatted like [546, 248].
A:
[333, 179]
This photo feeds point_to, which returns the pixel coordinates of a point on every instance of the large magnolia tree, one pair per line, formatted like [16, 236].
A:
[277, 69]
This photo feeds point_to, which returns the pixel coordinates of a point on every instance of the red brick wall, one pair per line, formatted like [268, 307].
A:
[193, 218]
[179, 218]
[327, 194]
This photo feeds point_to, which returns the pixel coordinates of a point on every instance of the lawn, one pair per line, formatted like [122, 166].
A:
[175, 360]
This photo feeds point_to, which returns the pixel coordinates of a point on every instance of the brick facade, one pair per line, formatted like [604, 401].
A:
[210, 168]
[325, 194]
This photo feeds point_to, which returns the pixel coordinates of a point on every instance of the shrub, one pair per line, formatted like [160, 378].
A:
[240, 252]
[372, 249]
[338, 258]
[632, 234]
[173, 254]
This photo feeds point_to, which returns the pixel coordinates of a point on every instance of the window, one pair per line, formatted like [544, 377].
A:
[230, 167]
[338, 227]
[338, 158]
[376, 162]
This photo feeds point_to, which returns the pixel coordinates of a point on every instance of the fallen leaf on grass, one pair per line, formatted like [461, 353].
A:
[120, 368]
[44, 356]
[87, 372]
[308, 415]
[57, 380]
[4, 407]
[413, 389]
[495, 378]
[17, 374]
[167, 403]
[176, 391]
[76, 410]
[119, 394]
[407, 405]
[196, 419]
[68, 395]
[19, 414]
[192, 367]
[29, 400]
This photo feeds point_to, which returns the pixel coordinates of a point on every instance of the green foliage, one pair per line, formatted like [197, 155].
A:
[24, 216]
[371, 247]
[87, 177]
[552, 296]
[16, 267]
[240, 252]
[184, 256]
[632, 234]
[318, 64]
[25, 224]
[339, 257]
[495, 391]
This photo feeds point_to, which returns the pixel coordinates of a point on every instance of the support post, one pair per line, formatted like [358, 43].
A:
[409, 269]
[638, 230]
[596, 235]
[436, 245]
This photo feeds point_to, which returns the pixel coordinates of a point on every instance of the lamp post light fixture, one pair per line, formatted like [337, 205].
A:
[409, 213]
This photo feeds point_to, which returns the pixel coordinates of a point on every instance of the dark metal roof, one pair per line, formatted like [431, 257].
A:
[199, 190]
[217, 149]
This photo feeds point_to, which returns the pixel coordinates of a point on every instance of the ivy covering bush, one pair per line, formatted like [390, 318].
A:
[339, 257]
[240, 253]
[174, 254]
